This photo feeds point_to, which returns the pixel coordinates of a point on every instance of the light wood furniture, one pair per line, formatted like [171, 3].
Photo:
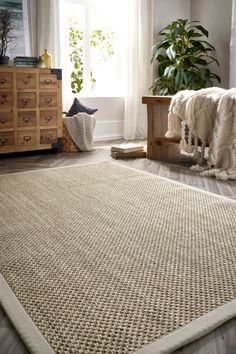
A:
[30, 109]
[158, 146]
[67, 141]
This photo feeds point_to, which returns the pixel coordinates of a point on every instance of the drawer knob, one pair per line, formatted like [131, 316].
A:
[25, 101]
[26, 119]
[27, 138]
[48, 100]
[47, 81]
[3, 120]
[3, 141]
[27, 80]
[48, 137]
[48, 118]
[3, 81]
[4, 99]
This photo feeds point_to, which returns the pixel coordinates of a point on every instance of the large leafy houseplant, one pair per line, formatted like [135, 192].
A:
[183, 56]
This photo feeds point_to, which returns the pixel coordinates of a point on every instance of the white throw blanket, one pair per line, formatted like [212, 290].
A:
[210, 115]
[81, 129]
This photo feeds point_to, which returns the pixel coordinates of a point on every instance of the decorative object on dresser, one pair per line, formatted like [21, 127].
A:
[26, 61]
[30, 109]
[47, 58]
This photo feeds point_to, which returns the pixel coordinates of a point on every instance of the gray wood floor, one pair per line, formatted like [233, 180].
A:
[220, 341]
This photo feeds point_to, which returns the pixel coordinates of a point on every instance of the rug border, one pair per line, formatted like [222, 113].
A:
[29, 333]
[128, 167]
[189, 333]
[179, 183]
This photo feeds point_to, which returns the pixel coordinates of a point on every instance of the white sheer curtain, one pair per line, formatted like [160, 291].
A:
[232, 78]
[44, 27]
[139, 71]
[47, 21]
[49, 30]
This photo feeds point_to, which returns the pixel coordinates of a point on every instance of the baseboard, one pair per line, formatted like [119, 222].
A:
[107, 138]
[109, 130]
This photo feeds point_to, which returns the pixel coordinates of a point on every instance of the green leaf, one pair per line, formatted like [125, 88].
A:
[203, 30]
[183, 58]
[170, 52]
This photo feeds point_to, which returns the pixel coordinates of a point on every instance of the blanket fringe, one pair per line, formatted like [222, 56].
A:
[209, 115]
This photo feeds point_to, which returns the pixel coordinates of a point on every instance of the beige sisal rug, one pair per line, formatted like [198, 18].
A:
[106, 259]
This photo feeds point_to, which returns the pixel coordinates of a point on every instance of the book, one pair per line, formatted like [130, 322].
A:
[25, 59]
[133, 154]
[33, 65]
[126, 148]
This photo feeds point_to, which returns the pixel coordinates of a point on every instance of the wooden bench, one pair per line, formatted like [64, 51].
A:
[158, 146]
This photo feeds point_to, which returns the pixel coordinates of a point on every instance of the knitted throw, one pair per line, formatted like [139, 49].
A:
[81, 129]
[210, 116]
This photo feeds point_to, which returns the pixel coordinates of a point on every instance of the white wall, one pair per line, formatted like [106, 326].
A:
[109, 117]
[215, 15]
[166, 11]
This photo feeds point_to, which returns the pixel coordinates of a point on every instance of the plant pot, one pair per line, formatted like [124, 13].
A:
[4, 60]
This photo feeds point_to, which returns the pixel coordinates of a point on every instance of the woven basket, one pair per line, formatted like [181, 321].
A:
[68, 143]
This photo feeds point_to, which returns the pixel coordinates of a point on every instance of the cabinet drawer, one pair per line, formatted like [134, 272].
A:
[26, 119]
[26, 100]
[25, 81]
[6, 140]
[6, 120]
[48, 136]
[47, 81]
[47, 99]
[6, 99]
[48, 118]
[6, 80]
[26, 138]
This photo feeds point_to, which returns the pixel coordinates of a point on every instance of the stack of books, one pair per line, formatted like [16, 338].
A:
[26, 61]
[126, 151]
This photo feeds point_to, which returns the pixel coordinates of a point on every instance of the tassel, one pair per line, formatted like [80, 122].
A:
[202, 160]
[183, 143]
[196, 155]
[190, 147]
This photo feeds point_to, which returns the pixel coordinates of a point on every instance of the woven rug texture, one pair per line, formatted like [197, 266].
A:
[106, 259]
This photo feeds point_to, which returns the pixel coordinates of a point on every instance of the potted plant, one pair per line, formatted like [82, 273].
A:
[183, 56]
[8, 22]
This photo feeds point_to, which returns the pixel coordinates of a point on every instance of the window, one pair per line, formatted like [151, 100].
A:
[95, 37]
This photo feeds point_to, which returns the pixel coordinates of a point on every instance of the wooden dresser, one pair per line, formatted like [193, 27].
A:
[30, 109]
